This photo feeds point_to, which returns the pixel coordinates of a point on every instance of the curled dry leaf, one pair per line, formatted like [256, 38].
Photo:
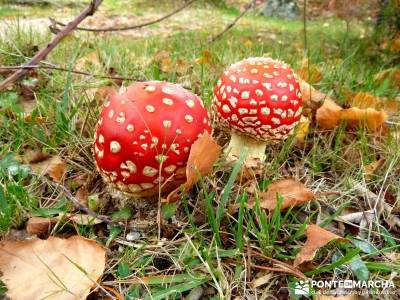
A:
[53, 166]
[203, 154]
[38, 225]
[312, 98]
[317, 237]
[293, 192]
[51, 269]
[330, 115]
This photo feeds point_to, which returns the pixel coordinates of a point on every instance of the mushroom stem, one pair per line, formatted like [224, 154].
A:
[255, 149]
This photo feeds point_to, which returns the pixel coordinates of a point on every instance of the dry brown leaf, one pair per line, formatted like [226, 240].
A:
[82, 195]
[80, 219]
[310, 73]
[330, 115]
[203, 154]
[91, 59]
[53, 166]
[312, 98]
[345, 297]
[317, 237]
[204, 59]
[293, 192]
[392, 75]
[371, 168]
[38, 225]
[166, 65]
[50, 269]
[100, 95]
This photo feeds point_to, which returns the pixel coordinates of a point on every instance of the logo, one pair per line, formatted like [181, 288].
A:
[302, 288]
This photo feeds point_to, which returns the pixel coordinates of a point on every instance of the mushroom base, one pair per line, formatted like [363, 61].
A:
[238, 143]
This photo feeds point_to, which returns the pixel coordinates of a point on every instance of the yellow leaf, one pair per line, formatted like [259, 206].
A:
[310, 73]
[302, 128]
[293, 192]
[90, 59]
[317, 237]
[62, 269]
[330, 115]
[371, 168]
[204, 59]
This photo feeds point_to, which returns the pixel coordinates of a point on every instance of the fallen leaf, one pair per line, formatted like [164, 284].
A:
[203, 154]
[51, 269]
[309, 72]
[204, 59]
[82, 195]
[345, 297]
[371, 168]
[90, 59]
[330, 115]
[80, 219]
[366, 100]
[392, 75]
[312, 98]
[317, 237]
[53, 166]
[302, 128]
[166, 65]
[38, 225]
[293, 192]
[100, 95]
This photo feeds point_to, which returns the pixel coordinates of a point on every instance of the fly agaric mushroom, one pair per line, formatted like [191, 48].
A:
[259, 100]
[143, 136]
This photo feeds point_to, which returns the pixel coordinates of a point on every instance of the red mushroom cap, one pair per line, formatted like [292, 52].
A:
[259, 97]
[144, 135]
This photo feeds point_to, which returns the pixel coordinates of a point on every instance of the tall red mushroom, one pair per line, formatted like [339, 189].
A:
[143, 136]
[259, 100]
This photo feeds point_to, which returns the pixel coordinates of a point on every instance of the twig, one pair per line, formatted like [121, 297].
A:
[248, 6]
[88, 11]
[72, 198]
[129, 27]
[65, 70]
[292, 269]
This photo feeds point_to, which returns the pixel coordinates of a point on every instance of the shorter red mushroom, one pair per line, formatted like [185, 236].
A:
[259, 100]
[143, 137]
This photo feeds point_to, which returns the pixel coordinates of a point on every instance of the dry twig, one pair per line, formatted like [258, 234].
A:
[248, 6]
[88, 11]
[107, 29]
[52, 67]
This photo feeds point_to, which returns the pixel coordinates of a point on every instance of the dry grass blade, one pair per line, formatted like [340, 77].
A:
[51, 269]
[317, 237]
[53, 166]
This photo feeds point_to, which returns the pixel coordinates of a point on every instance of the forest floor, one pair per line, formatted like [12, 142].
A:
[47, 126]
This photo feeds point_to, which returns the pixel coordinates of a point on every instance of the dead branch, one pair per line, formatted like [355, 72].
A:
[248, 6]
[66, 70]
[107, 29]
[88, 11]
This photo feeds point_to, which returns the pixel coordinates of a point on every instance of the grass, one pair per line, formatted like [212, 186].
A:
[208, 245]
